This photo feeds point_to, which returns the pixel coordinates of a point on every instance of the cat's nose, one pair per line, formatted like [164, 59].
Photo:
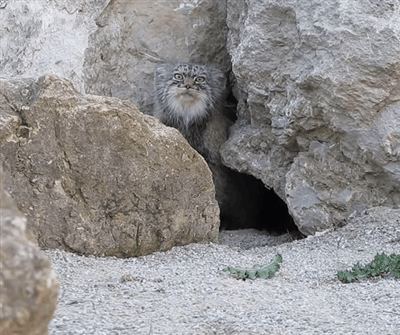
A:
[188, 86]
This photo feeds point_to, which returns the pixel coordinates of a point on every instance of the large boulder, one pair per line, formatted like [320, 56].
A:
[28, 286]
[96, 176]
[109, 47]
[318, 85]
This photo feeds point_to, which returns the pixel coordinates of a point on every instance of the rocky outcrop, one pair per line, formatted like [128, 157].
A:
[28, 286]
[41, 37]
[318, 85]
[109, 47]
[96, 176]
[134, 36]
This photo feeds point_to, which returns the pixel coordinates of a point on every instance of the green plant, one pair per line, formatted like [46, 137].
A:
[261, 271]
[380, 265]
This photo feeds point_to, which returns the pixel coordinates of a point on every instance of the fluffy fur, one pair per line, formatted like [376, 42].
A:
[189, 97]
[181, 97]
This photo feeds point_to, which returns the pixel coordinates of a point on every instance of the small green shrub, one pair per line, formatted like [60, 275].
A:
[380, 265]
[261, 271]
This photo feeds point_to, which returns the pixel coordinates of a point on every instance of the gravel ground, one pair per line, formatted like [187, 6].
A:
[185, 291]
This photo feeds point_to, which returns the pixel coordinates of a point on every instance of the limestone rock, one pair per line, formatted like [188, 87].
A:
[134, 36]
[28, 286]
[96, 176]
[318, 85]
[42, 37]
[109, 47]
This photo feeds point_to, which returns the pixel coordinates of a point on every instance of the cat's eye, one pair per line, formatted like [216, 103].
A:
[200, 79]
[178, 76]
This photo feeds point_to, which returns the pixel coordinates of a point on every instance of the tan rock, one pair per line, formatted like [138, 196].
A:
[96, 176]
[28, 286]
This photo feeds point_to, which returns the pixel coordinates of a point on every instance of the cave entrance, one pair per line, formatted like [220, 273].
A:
[255, 206]
[251, 204]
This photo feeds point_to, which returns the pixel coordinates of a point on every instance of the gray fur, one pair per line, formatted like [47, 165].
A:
[190, 103]
[169, 106]
[197, 115]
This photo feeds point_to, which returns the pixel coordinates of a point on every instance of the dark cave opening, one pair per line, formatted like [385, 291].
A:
[251, 204]
[255, 206]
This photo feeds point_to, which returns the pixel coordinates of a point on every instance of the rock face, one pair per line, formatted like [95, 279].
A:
[318, 85]
[28, 286]
[41, 37]
[134, 36]
[109, 47]
[96, 176]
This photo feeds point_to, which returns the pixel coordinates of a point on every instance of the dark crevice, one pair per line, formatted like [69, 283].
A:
[251, 204]
[230, 107]
[255, 206]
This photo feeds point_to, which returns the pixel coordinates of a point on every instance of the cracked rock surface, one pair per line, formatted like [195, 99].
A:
[28, 285]
[95, 176]
[318, 85]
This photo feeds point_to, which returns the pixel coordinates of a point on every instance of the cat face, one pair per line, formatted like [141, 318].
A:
[188, 86]
[188, 91]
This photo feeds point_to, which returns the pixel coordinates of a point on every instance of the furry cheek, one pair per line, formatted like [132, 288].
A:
[188, 107]
[188, 98]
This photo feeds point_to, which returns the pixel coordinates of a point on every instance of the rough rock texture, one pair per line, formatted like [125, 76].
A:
[96, 176]
[41, 37]
[133, 36]
[28, 286]
[109, 47]
[318, 85]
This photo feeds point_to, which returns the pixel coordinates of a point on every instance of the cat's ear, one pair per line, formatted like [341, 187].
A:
[220, 78]
[161, 71]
